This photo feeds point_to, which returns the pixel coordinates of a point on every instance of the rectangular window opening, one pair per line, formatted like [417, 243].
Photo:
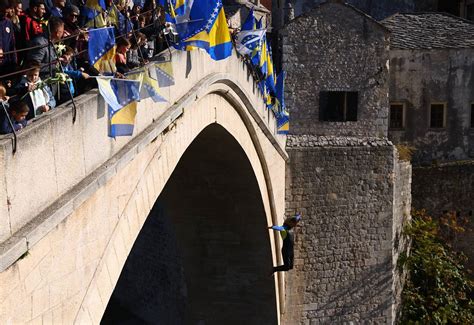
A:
[437, 116]
[470, 11]
[397, 116]
[472, 115]
[338, 106]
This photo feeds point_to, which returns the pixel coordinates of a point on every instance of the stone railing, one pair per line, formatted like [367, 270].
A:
[54, 155]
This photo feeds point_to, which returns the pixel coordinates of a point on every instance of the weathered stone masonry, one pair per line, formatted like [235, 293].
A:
[344, 176]
[348, 191]
[336, 48]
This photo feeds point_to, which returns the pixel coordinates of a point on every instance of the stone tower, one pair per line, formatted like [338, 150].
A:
[344, 175]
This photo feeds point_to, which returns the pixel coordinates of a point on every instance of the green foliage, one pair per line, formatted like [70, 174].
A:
[437, 289]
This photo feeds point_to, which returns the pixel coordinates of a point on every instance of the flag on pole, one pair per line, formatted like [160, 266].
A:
[102, 49]
[220, 43]
[118, 92]
[249, 23]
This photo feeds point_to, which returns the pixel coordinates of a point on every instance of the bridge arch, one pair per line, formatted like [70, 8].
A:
[203, 252]
[221, 106]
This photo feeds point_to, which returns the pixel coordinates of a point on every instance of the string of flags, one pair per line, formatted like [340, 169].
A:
[251, 42]
[200, 24]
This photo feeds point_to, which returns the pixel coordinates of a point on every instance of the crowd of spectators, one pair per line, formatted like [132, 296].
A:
[29, 51]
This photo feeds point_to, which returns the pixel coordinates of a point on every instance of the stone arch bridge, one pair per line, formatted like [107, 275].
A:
[169, 224]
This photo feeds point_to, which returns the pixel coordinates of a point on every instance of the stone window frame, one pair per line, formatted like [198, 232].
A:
[445, 113]
[404, 114]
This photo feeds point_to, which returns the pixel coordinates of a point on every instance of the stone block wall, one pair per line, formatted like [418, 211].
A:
[335, 47]
[352, 193]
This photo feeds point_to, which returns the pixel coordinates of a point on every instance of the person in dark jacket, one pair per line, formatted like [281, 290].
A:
[17, 112]
[38, 97]
[75, 74]
[7, 43]
[287, 251]
[58, 7]
[45, 53]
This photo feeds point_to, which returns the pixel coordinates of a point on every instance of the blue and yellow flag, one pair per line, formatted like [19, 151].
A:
[179, 7]
[198, 16]
[205, 28]
[164, 73]
[259, 57]
[249, 23]
[121, 96]
[102, 49]
[283, 122]
[95, 19]
[169, 10]
[220, 43]
[269, 77]
[151, 87]
[122, 123]
[97, 5]
[248, 41]
[118, 93]
[281, 114]
[122, 25]
[92, 11]
[280, 93]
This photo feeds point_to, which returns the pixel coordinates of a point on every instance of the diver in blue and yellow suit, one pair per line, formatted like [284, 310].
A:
[287, 251]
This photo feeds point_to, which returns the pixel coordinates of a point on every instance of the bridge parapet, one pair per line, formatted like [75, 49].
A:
[55, 155]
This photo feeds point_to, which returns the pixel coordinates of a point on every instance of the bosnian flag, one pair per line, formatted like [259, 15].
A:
[249, 40]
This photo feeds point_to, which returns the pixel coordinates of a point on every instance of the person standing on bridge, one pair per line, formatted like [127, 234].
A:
[287, 251]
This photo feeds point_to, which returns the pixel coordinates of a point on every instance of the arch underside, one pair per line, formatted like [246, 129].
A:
[203, 255]
[219, 267]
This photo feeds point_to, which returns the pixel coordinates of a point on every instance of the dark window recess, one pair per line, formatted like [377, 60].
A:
[396, 116]
[470, 12]
[472, 115]
[449, 6]
[437, 116]
[338, 106]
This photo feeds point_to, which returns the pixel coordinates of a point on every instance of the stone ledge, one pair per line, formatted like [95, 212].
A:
[11, 250]
[308, 141]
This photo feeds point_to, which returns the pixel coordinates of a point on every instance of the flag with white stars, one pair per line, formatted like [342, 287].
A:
[102, 49]
[249, 40]
[198, 16]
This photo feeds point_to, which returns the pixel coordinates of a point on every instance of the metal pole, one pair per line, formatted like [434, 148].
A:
[14, 140]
